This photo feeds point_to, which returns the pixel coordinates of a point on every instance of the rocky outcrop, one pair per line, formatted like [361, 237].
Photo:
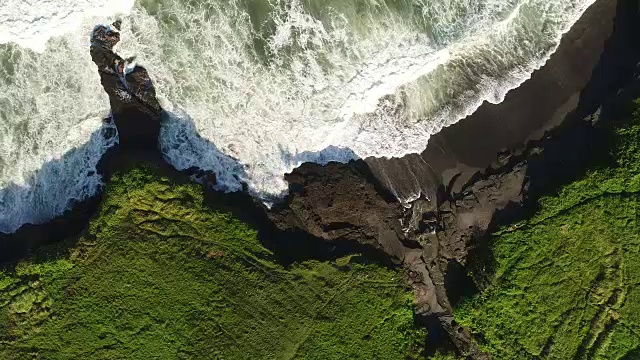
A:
[445, 233]
[134, 107]
[459, 151]
[338, 201]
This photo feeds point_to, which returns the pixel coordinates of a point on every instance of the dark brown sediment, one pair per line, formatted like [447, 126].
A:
[457, 152]
[483, 171]
[477, 173]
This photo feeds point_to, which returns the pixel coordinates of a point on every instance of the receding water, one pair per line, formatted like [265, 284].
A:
[271, 83]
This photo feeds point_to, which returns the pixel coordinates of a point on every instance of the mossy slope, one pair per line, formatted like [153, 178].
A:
[567, 280]
[160, 274]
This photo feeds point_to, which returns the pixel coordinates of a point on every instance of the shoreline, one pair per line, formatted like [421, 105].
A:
[541, 103]
[342, 207]
[448, 160]
[431, 168]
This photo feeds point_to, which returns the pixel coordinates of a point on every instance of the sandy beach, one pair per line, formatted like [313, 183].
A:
[541, 103]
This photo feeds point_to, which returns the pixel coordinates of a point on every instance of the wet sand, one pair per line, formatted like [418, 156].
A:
[543, 102]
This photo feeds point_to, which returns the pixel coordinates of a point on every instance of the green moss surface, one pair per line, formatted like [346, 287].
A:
[567, 280]
[162, 275]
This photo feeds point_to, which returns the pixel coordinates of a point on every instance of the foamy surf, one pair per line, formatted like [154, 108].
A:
[254, 88]
[31, 23]
[51, 108]
[276, 83]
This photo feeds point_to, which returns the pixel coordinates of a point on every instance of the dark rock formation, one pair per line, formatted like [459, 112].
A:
[457, 152]
[337, 201]
[471, 182]
[132, 97]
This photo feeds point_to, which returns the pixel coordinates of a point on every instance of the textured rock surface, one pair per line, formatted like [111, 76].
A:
[339, 201]
[132, 97]
[470, 182]
[457, 152]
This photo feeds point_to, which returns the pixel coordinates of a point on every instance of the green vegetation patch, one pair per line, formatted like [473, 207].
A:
[160, 274]
[566, 280]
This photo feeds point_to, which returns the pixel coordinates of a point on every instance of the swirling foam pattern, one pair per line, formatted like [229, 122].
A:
[274, 83]
[269, 83]
[51, 109]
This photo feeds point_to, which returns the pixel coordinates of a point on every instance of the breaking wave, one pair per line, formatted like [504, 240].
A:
[272, 83]
[51, 108]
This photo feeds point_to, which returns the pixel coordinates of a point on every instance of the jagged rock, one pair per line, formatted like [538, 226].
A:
[340, 202]
[344, 202]
[134, 106]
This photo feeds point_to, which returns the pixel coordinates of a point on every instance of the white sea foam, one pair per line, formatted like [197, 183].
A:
[253, 88]
[334, 81]
[31, 23]
[51, 109]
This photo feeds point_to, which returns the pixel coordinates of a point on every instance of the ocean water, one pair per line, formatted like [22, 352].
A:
[253, 88]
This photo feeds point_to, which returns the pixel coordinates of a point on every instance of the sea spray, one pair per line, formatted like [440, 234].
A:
[52, 108]
[277, 83]
[253, 88]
